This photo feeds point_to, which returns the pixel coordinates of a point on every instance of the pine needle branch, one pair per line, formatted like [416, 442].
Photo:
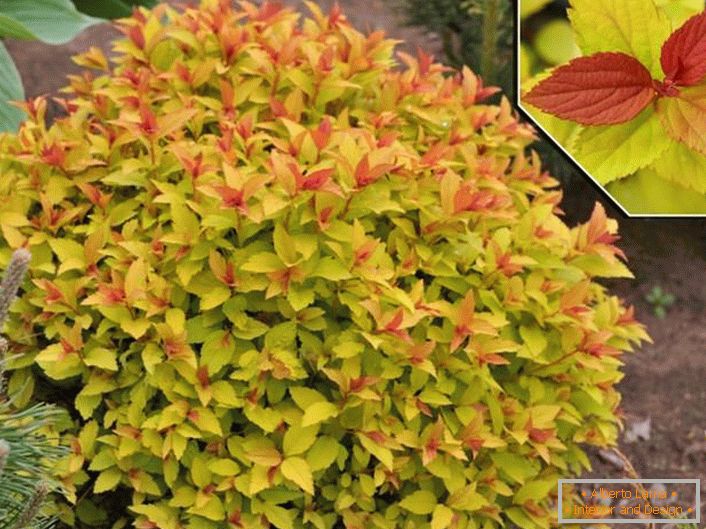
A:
[27, 454]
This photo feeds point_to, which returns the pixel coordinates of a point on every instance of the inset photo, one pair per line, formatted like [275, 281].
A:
[620, 85]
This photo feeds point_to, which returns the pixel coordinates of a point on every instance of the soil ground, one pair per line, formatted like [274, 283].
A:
[665, 381]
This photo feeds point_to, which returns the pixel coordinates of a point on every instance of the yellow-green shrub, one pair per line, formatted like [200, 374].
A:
[282, 282]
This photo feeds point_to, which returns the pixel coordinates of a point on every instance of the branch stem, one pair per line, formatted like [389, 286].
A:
[491, 19]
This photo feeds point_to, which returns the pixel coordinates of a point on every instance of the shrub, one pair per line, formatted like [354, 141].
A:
[280, 282]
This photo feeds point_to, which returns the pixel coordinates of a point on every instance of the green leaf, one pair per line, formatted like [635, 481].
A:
[323, 453]
[298, 439]
[305, 397]
[534, 490]
[319, 412]
[224, 394]
[614, 151]
[281, 336]
[635, 27]
[441, 519]
[645, 193]
[10, 90]
[682, 166]
[206, 420]
[533, 337]
[266, 418]
[297, 470]
[51, 21]
[102, 357]
[517, 467]
[331, 269]
[107, 480]
[383, 454]
[217, 351]
[13, 29]
[279, 517]
[597, 266]
[284, 245]
[223, 467]
[109, 9]
[70, 254]
[518, 516]
[213, 509]
[468, 499]
[679, 11]
[136, 328]
[263, 263]
[89, 513]
[300, 298]
[555, 42]
[419, 502]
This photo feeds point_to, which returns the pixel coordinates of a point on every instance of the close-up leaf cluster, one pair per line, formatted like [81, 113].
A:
[284, 277]
[632, 109]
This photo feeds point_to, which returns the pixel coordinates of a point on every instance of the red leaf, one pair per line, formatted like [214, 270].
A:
[231, 198]
[435, 153]
[137, 36]
[682, 116]
[603, 89]
[148, 121]
[268, 10]
[277, 107]
[684, 52]
[322, 134]
[425, 61]
[317, 179]
[335, 15]
[396, 320]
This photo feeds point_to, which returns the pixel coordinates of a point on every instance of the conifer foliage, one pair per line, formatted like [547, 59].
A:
[25, 454]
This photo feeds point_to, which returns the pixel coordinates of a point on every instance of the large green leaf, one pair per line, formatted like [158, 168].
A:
[683, 166]
[9, 27]
[679, 11]
[614, 151]
[51, 21]
[635, 27]
[645, 193]
[110, 9]
[10, 90]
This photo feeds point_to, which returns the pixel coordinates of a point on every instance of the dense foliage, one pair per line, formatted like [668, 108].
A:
[279, 281]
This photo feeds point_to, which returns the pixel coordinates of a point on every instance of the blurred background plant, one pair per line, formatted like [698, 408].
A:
[660, 300]
[477, 33]
[51, 22]
[547, 37]
[27, 454]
